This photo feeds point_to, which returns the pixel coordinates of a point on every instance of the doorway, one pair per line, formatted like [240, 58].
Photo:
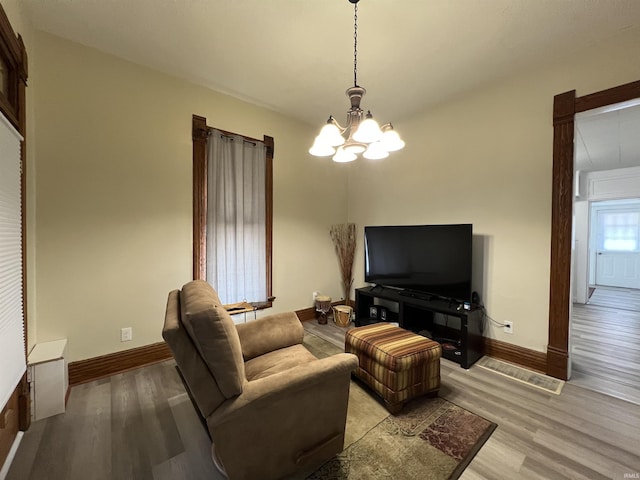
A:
[605, 313]
[565, 107]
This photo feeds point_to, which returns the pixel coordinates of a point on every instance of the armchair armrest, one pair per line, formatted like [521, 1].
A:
[284, 385]
[269, 333]
[285, 421]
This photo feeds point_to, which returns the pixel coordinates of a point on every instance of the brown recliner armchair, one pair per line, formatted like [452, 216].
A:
[270, 406]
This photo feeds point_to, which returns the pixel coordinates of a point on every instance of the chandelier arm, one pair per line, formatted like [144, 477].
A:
[340, 127]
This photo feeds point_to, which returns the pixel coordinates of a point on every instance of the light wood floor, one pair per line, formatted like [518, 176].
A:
[126, 427]
[617, 298]
[605, 343]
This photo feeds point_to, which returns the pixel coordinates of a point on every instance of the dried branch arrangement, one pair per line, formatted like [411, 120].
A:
[344, 239]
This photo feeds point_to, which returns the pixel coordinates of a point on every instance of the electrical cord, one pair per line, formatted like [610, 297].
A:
[486, 315]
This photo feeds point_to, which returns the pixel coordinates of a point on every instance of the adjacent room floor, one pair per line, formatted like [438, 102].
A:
[605, 343]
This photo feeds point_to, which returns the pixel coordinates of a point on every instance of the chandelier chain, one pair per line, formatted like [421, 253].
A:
[355, 44]
[362, 134]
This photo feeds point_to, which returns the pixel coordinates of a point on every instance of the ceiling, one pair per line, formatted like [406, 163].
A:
[608, 137]
[296, 56]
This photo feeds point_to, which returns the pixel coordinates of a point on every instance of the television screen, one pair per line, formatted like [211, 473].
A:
[434, 259]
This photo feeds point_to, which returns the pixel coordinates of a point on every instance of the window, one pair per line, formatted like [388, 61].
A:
[13, 74]
[13, 320]
[12, 351]
[233, 183]
[621, 231]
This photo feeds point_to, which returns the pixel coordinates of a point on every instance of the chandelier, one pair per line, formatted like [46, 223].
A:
[362, 134]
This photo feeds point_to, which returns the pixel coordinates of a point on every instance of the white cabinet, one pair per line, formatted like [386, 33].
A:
[49, 378]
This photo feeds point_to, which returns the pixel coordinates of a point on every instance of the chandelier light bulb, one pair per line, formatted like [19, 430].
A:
[391, 141]
[368, 131]
[330, 135]
[321, 149]
[375, 152]
[342, 156]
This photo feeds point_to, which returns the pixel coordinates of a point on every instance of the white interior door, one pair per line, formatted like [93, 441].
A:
[618, 247]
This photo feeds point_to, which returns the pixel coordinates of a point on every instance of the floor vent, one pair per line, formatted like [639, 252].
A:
[537, 380]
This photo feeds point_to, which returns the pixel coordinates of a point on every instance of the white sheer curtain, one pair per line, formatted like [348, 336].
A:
[236, 218]
[12, 356]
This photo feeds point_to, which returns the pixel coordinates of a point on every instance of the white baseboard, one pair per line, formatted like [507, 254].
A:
[10, 456]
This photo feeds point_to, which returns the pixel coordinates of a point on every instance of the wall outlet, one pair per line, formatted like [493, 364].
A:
[508, 327]
[315, 294]
[126, 334]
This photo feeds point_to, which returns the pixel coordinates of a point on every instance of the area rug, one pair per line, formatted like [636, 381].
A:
[431, 438]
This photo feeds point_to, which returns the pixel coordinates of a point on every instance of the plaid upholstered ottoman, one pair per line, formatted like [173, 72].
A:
[397, 364]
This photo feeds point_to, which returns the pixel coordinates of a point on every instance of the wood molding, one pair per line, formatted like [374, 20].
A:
[508, 352]
[200, 134]
[561, 228]
[565, 106]
[557, 362]
[14, 55]
[9, 424]
[622, 93]
[269, 143]
[94, 368]
[308, 314]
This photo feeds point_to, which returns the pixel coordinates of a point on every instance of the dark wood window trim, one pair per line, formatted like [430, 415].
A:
[14, 56]
[565, 106]
[200, 133]
[13, 105]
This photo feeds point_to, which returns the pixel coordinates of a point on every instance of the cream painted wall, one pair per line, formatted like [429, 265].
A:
[113, 188]
[486, 158]
[18, 19]
[22, 26]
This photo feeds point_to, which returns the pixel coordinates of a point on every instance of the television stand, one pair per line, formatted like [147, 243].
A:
[459, 331]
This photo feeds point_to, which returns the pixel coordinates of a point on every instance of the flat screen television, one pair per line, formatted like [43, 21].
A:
[429, 259]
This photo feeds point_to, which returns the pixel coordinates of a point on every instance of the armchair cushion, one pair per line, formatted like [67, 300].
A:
[202, 384]
[277, 361]
[298, 416]
[214, 335]
[269, 333]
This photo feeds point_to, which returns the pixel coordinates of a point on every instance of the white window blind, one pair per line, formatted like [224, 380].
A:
[12, 355]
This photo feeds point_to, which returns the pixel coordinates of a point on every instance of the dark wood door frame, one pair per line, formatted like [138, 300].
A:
[565, 106]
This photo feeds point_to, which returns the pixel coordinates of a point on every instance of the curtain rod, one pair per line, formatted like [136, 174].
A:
[231, 136]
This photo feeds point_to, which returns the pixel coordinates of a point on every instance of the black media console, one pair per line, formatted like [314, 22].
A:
[459, 331]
